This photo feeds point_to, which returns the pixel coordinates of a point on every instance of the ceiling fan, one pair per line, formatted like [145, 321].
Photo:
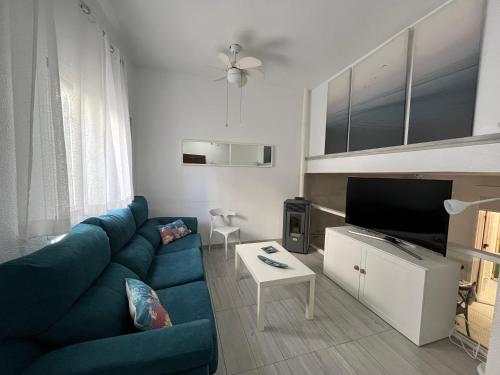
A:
[238, 70]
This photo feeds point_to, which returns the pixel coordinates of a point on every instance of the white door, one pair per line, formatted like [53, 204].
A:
[393, 289]
[342, 260]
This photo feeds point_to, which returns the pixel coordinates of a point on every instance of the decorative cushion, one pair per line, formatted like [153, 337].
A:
[173, 231]
[145, 307]
[139, 208]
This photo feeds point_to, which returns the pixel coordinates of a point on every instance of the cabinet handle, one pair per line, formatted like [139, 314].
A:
[363, 271]
[356, 267]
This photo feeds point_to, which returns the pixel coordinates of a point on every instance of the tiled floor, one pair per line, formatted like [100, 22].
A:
[344, 337]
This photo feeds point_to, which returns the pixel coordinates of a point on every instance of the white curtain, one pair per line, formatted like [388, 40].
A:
[8, 178]
[65, 148]
[95, 115]
[33, 173]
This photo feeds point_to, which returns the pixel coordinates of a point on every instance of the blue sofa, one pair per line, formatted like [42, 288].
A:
[64, 309]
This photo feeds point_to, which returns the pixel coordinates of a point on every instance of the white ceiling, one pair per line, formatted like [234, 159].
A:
[301, 42]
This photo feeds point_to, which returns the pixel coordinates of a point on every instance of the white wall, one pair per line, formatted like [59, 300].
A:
[169, 107]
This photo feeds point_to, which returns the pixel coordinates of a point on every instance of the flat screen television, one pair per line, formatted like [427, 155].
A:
[408, 209]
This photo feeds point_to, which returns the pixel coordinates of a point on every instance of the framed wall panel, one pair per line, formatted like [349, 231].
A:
[337, 116]
[378, 97]
[445, 72]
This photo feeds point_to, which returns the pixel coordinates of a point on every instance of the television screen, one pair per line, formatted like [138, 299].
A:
[410, 210]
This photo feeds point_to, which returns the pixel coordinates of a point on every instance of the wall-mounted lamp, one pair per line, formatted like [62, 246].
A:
[454, 206]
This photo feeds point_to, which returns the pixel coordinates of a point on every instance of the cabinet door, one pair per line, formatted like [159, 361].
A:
[342, 255]
[393, 289]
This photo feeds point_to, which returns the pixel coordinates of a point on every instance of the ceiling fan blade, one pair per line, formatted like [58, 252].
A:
[255, 73]
[248, 62]
[220, 78]
[224, 59]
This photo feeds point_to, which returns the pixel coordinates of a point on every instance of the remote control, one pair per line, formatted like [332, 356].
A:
[272, 262]
[270, 249]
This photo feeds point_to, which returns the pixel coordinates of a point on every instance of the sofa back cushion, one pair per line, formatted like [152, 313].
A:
[137, 255]
[139, 208]
[102, 311]
[150, 231]
[39, 288]
[119, 225]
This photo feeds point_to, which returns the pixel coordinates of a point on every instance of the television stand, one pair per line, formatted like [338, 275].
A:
[416, 297]
[393, 241]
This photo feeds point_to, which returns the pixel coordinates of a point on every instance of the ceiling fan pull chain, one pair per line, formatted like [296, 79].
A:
[241, 105]
[227, 103]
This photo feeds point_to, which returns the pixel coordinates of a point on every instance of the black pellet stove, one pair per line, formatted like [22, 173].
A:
[296, 218]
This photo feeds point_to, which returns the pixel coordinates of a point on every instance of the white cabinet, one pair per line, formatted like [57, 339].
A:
[344, 272]
[416, 297]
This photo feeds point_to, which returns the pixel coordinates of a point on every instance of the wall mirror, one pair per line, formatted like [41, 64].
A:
[233, 154]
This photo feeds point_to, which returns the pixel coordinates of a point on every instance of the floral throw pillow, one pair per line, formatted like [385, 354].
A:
[173, 231]
[145, 307]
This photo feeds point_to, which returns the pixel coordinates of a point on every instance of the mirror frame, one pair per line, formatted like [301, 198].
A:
[230, 143]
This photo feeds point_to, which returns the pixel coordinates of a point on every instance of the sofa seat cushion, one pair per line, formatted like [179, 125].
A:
[102, 311]
[176, 268]
[189, 302]
[149, 230]
[136, 255]
[190, 241]
[118, 224]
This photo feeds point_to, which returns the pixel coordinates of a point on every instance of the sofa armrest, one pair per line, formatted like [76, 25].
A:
[191, 222]
[159, 351]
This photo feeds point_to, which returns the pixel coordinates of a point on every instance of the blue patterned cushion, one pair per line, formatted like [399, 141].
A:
[145, 307]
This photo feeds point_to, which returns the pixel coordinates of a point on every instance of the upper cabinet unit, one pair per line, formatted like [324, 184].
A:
[337, 114]
[378, 97]
[445, 71]
[419, 86]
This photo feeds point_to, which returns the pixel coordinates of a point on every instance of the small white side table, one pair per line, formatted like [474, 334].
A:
[267, 276]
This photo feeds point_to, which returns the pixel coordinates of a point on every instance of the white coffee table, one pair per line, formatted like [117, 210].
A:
[266, 275]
